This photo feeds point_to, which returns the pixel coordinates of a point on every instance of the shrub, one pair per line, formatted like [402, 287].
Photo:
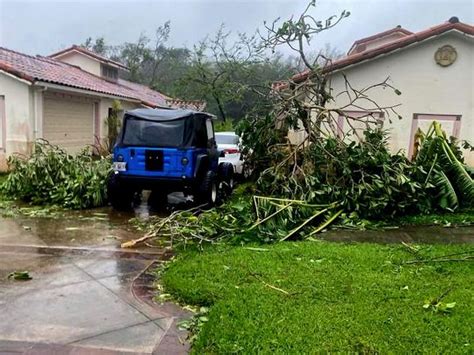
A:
[51, 176]
[447, 178]
[368, 181]
[364, 177]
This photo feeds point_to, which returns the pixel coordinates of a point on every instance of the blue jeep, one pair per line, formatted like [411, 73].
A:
[165, 150]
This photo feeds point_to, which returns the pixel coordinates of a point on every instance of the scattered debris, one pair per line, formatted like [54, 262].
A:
[436, 305]
[264, 219]
[19, 276]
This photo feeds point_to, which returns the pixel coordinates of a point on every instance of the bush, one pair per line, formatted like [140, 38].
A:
[365, 178]
[368, 181]
[51, 176]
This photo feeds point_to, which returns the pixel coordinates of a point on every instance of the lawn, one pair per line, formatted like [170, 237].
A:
[307, 297]
[459, 217]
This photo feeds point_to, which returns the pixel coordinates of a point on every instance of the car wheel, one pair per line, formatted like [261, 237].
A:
[119, 196]
[158, 199]
[226, 175]
[208, 190]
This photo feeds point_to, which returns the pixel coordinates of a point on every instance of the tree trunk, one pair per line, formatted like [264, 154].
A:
[220, 107]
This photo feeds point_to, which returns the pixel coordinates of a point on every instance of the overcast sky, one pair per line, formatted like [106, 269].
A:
[43, 27]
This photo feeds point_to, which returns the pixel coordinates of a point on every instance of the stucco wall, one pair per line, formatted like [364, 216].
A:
[18, 116]
[426, 87]
[104, 105]
[84, 62]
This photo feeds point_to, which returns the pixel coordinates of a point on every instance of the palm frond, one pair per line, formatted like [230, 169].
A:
[326, 223]
[448, 198]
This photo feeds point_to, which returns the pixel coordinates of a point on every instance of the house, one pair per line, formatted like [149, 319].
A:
[433, 69]
[65, 99]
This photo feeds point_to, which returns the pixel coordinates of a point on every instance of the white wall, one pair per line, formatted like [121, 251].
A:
[426, 87]
[81, 60]
[18, 115]
[104, 105]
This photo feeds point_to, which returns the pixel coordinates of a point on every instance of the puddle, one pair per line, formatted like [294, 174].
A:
[85, 289]
[92, 228]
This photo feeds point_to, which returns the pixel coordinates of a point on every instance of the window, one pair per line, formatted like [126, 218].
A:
[153, 133]
[109, 73]
[227, 138]
[209, 129]
[451, 124]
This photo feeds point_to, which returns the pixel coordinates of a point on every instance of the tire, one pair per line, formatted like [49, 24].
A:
[208, 190]
[226, 177]
[119, 196]
[158, 199]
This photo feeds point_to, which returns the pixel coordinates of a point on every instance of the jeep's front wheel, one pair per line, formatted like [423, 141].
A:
[207, 193]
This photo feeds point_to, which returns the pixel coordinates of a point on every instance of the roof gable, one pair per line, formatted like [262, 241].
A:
[378, 39]
[78, 50]
[452, 25]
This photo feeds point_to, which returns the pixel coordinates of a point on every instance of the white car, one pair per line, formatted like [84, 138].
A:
[228, 144]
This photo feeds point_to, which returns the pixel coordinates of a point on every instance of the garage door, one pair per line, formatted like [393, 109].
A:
[68, 123]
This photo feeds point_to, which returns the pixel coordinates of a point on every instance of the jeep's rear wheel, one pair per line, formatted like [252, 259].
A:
[120, 197]
[207, 193]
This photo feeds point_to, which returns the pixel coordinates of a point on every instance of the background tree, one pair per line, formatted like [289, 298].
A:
[97, 46]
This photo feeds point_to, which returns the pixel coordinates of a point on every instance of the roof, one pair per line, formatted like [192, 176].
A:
[75, 48]
[452, 25]
[145, 93]
[386, 33]
[50, 70]
[197, 105]
[165, 114]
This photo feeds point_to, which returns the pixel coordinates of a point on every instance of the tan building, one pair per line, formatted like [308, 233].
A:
[65, 99]
[433, 69]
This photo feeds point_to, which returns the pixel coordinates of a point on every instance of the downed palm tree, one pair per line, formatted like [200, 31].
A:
[265, 219]
[446, 172]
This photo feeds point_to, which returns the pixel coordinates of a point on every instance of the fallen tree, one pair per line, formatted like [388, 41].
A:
[301, 189]
[51, 176]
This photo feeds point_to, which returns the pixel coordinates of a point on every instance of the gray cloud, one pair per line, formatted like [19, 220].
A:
[42, 27]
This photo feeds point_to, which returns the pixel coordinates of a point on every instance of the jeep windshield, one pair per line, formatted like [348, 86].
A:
[146, 133]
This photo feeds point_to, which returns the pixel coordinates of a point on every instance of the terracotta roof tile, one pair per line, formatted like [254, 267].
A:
[391, 46]
[50, 70]
[397, 29]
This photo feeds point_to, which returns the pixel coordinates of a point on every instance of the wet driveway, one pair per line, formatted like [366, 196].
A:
[86, 295]
[89, 296]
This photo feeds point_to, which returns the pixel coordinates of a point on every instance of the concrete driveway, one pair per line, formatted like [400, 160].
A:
[86, 295]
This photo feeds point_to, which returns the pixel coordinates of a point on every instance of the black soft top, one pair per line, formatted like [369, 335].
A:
[160, 114]
[148, 127]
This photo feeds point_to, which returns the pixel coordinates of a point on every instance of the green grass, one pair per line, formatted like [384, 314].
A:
[341, 298]
[462, 217]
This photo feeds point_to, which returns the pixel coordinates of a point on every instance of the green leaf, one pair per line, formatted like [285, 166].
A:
[20, 275]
